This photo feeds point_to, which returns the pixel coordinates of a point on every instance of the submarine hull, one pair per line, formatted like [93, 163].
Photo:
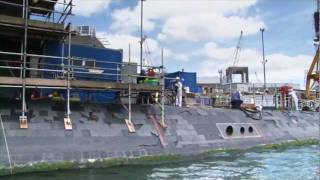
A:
[99, 132]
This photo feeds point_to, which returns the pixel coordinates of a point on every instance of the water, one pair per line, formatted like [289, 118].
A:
[298, 163]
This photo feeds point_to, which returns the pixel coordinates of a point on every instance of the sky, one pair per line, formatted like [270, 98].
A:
[201, 35]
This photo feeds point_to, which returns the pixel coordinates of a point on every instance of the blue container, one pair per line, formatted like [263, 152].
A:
[109, 59]
[188, 79]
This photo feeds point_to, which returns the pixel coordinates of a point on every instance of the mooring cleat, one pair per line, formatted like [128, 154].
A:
[23, 122]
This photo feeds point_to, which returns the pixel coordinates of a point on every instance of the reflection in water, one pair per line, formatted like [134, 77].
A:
[301, 163]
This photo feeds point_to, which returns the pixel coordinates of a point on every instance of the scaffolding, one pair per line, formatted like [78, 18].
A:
[46, 20]
[33, 19]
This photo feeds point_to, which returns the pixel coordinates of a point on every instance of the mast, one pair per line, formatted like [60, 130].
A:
[263, 61]
[141, 34]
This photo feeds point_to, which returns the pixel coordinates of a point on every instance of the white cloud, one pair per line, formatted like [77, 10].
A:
[279, 67]
[190, 20]
[127, 21]
[206, 26]
[283, 68]
[122, 41]
[87, 8]
[170, 55]
[211, 50]
[204, 21]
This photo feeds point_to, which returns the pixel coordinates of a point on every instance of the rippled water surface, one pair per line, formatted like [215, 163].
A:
[299, 163]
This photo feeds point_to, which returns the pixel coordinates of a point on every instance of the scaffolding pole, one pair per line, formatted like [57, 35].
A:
[162, 90]
[128, 121]
[23, 119]
[62, 56]
[67, 120]
[129, 86]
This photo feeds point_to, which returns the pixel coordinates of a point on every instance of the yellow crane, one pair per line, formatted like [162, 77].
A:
[313, 78]
[313, 81]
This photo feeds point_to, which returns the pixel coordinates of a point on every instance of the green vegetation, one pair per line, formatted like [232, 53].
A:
[294, 143]
[41, 167]
[145, 160]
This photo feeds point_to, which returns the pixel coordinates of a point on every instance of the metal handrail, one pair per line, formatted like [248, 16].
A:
[20, 5]
[58, 68]
[5, 141]
[74, 58]
[66, 11]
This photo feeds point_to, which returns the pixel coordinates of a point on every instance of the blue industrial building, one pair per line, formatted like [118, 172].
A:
[188, 79]
[106, 61]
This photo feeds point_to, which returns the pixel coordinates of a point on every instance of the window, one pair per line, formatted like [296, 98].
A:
[78, 62]
[89, 63]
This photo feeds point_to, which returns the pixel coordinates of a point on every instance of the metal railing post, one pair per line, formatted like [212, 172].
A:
[67, 120]
[23, 118]
[129, 86]
[68, 74]
[163, 89]
[62, 58]
[117, 72]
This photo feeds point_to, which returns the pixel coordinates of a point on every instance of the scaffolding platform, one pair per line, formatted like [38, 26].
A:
[10, 20]
[36, 19]
[77, 84]
[14, 26]
[14, 7]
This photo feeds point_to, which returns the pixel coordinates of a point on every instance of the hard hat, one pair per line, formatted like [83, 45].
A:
[177, 78]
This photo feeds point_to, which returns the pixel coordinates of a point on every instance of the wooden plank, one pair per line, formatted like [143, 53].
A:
[130, 126]
[158, 128]
[46, 82]
[97, 84]
[23, 122]
[33, 81]
[67, 124]
[10, 80]
[77, 84]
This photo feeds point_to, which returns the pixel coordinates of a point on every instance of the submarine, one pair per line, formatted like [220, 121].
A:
[55, 80]
[106, 140]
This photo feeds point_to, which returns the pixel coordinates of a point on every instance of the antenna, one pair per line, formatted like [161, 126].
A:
[141, 34]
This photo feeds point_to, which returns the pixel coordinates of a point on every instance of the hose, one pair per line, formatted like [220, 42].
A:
[251, 114]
